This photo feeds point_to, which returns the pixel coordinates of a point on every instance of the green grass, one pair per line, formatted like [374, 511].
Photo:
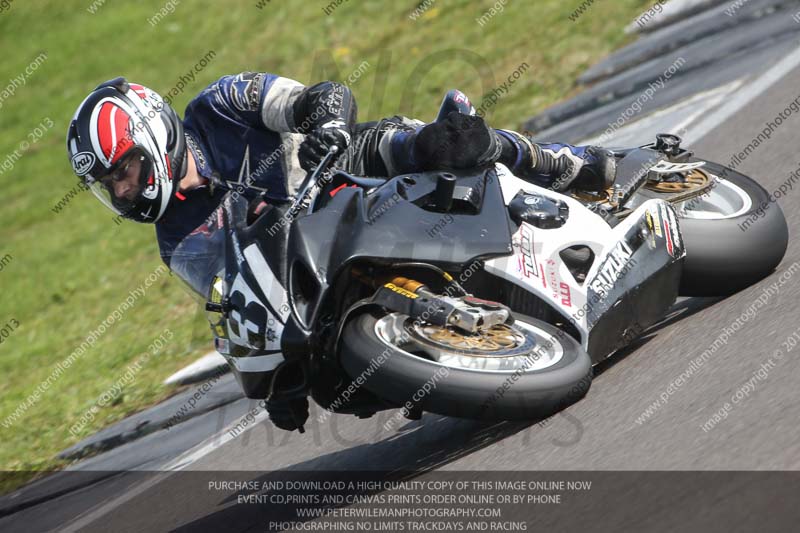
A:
[71, 270]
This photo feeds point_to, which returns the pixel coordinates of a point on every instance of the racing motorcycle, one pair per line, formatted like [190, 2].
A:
[473, 293]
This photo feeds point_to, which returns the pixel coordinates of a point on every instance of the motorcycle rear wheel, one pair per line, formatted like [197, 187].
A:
[734, 236]
[526, 371]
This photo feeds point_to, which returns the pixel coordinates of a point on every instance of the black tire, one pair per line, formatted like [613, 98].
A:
[466, 393]
[721, 258]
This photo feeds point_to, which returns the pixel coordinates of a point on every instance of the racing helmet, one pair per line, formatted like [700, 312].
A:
[127, 145]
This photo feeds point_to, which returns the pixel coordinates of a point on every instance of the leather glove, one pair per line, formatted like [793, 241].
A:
[316, 144]
[456, 141]
[288, 412]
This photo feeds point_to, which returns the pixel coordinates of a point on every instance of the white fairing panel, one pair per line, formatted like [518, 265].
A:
[537, 266]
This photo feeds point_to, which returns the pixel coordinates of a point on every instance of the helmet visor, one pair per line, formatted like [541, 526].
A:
[126, 182]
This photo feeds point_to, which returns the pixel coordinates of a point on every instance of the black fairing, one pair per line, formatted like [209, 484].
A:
[397, 221]
[394, 221]
[372, 221]
[645, 302]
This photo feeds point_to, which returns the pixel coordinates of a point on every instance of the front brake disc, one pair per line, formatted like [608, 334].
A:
[501, 340]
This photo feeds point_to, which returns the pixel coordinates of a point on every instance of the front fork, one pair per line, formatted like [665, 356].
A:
[412, 298]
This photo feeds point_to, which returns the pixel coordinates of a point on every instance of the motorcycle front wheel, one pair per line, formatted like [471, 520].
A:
[524, 371]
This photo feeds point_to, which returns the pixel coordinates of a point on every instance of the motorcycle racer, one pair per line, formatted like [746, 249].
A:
[257, 133]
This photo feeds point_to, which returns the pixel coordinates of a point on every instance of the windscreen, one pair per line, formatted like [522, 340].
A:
[201, 255]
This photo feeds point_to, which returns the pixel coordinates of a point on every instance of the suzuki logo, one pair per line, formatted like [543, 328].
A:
[615, 265]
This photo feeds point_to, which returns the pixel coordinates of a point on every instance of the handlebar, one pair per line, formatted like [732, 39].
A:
[312, 178]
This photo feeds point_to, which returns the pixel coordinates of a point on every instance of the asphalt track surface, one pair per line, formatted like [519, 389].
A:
[599, 433]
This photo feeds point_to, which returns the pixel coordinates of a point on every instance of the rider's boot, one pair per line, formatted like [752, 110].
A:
[287, 411]
[557, 166]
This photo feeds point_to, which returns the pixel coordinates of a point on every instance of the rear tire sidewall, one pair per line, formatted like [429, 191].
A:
[721, 258]
[461, 392]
